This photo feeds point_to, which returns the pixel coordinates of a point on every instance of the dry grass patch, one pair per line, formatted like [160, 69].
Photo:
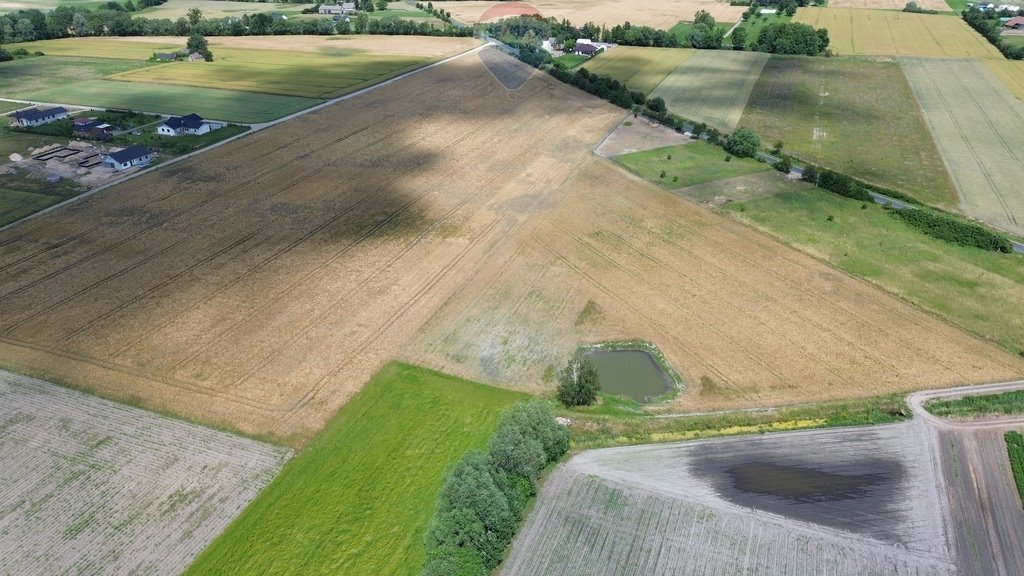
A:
[937, 5]
[890, 33]
[654, 13]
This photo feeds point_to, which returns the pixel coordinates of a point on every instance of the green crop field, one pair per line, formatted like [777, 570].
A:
[980, 291]
[978, 126]
[712, 86]
[641, 69]
[855, 31]
[1003, 403]
[688, 164]
[15, 205]
[281, 72]
[23, 78]
[358, 499]
[854, 115]
[103, 47]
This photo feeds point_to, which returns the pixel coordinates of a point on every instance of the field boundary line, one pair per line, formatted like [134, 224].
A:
[256, 127]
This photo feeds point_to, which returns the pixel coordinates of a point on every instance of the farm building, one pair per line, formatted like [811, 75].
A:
[1015, 22]
[195, 57]
[125, 159]
[584, 49]
[92, 128]
[190, 124]
[37, 117]
[165, 56]
[343, 8]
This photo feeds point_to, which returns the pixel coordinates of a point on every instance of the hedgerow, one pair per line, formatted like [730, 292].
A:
[952, 230]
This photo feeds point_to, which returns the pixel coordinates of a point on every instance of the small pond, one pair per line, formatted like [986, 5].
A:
[632, 373]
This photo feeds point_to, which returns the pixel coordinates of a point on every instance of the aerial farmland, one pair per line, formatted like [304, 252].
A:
[714, 290]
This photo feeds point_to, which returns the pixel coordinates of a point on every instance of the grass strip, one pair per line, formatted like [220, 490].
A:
[1015, 449]
[1002, 403]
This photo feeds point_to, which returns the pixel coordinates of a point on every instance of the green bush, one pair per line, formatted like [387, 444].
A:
[1015, 449]
[842, 185]
[952, 230]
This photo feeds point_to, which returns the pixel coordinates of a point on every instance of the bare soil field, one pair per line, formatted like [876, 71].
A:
[90, 486]
[712, 86]
[636, 135]
[978, 126]
[891, 33]
[843, 502]
[260, 285]
[983, 501]
[938, 5]
[654, 13]
[611, 258]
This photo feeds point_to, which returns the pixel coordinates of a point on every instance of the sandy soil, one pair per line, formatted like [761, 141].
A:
[654, 13]
[91, 486]
[845, 502]
[636, 136]
[413, 45]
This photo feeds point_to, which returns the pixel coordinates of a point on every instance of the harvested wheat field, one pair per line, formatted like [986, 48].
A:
[260, 285]
[614, 258]
[658, 14]
[937, 5]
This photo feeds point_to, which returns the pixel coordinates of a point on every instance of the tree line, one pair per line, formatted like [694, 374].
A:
[485, 493]
[989, 25]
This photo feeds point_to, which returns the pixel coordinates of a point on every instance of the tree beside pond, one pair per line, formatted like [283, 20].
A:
[579, 383]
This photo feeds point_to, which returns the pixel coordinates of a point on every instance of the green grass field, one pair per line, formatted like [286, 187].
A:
[1004, 403]
[23, 78]
[7, 106]
[641, 69]
[571, 60]
[690, 164]
[46, 5]
[101, 48]
[980, 291]
[854, 115]
[682, 30]
[754, 26]
[309, 75]
[15, 205]
[712, 86]
[174, 9]
[358, 499]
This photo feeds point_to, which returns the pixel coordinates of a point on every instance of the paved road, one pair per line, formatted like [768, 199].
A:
[986, 521]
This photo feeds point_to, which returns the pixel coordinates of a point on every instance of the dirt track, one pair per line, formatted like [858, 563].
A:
[260, 285]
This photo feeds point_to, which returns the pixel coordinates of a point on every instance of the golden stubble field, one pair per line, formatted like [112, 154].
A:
[654, 13]
[260, 285]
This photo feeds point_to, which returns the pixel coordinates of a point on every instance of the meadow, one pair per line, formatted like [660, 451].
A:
[753, 26]
[15, 204]
[23, 79]
[979, 405]
[7, 106]
[825, 110]
[641, 69]
[978, 126]
[95, 487]
[980, 291]
[140, 48]
[174, 9]
[712, 86]
[688, 164]
[357, 500]
[44, 5]
[855, 31]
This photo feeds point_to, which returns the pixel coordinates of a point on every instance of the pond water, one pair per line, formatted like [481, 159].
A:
[632, 373]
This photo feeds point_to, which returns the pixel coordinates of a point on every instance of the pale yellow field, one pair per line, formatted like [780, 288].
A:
[889, 33]
[937, 5]
[639, 68]
[656, 13]
[174, 9]
[1010, 73]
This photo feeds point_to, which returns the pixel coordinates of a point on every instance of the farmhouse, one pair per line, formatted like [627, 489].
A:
[1016, 22]
[92, 128]
[343, 8]
[37, 117]
[131, 156]
[190, 124]
[584, 49]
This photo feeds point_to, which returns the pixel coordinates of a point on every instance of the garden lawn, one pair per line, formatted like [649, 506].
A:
[689, 164]
[978, 290]
[358, 499]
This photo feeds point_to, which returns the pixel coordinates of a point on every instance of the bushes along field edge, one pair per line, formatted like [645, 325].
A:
[485, 493]
[1015, 450]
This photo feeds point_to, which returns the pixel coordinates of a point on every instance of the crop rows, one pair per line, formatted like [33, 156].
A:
[978, 127]
[712, 86]
[90, 486]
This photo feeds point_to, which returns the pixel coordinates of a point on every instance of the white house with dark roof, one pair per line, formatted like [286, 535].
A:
[37, 117]
[125, 159]
[192, 124]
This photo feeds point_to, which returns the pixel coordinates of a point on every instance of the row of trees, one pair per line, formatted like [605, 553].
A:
[485, 493]
[987, 24]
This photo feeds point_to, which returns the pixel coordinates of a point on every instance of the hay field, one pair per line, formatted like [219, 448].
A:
[890, 33]
[938, 5]
[978, 126]
[712, 86]
[654, 13]
[855, 115]
[260, 285]
[766, 324]
[637, 67]
[90, 486]
[851, 502]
